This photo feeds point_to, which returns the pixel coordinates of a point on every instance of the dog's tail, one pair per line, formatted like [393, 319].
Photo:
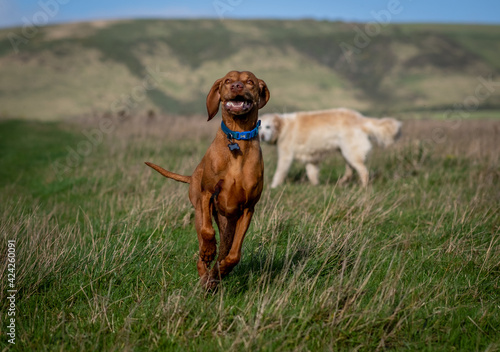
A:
[174, 176]
[385, 130]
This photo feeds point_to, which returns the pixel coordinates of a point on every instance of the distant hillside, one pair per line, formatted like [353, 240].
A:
[169, 66]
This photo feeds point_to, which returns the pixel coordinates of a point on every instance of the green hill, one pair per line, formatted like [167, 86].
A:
[169, 65]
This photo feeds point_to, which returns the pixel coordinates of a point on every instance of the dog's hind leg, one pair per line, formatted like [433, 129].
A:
[347, 175]
[226, 233]
[224, 267]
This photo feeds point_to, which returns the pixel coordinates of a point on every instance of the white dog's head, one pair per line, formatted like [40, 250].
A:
[270, 128]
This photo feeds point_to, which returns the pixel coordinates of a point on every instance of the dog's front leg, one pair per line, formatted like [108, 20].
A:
[312, 171]
[206, 234]
[284, 163]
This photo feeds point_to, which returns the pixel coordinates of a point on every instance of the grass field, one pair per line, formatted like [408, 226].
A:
[106, 248]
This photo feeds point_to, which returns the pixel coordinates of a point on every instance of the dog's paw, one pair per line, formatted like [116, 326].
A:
[209, 283]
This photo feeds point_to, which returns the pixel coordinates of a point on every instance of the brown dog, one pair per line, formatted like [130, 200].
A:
[229, 179]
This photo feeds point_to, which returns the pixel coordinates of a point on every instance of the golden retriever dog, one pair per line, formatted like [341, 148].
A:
[310, 136]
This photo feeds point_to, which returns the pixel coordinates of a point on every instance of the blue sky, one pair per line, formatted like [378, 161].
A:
[38, 12]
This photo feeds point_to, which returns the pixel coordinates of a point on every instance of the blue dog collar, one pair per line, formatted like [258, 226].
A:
[240, 135]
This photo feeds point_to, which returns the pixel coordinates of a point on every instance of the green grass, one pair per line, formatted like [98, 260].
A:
[106, 254]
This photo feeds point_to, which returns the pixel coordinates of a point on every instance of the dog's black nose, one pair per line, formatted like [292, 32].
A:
[237, 86]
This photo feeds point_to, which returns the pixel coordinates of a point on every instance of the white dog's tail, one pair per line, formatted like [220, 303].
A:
[385, 130]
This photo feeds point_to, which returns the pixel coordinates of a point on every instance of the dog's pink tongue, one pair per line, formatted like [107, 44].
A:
[235, 105]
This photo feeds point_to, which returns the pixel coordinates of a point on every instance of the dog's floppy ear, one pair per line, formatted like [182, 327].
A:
[278, 124]
[263, 94]
[213, 99]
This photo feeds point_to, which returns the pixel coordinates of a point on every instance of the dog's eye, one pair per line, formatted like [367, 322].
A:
[227, 81]
[250, 82]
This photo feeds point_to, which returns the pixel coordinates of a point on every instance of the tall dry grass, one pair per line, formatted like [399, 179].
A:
[107, 256]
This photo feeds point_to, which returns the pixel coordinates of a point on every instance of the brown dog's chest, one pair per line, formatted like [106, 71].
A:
[236, 186]
[233, 198]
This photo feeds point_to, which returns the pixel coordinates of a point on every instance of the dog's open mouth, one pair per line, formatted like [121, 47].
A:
[238, 106]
